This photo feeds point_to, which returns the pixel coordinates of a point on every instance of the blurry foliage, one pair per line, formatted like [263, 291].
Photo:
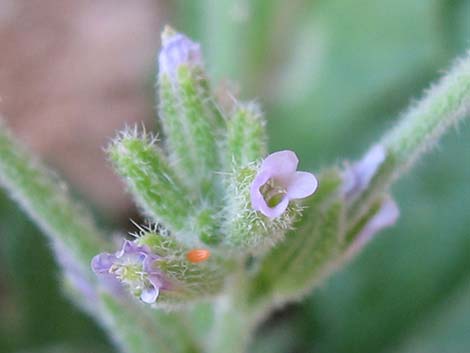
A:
[34, 313]
[332, 75]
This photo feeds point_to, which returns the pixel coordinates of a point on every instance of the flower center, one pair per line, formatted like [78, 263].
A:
[272, 193]
[128, 273]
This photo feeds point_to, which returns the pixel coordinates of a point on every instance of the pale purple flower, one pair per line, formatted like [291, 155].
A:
[384, 218]
[358, 175]
[278, 182]
[134, 266]
[177, 50]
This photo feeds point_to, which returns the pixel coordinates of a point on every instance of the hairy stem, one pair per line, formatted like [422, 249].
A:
[445, 104]
[139, 331]
[233, 324]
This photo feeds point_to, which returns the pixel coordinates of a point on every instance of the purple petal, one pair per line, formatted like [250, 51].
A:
[148, 263]
[101, 263]
[149, 295]
[302, 184]
[275, 211]
[281, 164]
[384, 218]
[158, 280]
[257, 199]
[128, 247]
[177, 50]
[132, 251]
[357, 177]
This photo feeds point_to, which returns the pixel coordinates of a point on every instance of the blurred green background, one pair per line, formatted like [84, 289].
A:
[332, 76]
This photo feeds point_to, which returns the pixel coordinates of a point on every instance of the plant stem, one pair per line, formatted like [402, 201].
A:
[231, 329]
[443, 106]
[143, 331]
[422, 125]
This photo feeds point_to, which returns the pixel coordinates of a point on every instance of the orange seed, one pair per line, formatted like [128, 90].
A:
[198, 255]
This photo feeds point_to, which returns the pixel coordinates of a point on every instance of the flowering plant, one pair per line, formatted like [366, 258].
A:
[233, 232]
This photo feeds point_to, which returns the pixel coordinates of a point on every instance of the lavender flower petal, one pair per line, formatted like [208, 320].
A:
[257, 198]
[102, 263]
[282, 163]
[150, 294]
[301, 185]
[384, 218]
[276, 211]
[357, 177]
[131, 249]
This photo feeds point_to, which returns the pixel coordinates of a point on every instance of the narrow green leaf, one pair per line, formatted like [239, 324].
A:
[246, 136]
[177, 143]
[45, 198]
[152, 181]
[200, 129]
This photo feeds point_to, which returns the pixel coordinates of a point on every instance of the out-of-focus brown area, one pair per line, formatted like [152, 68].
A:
[71, 74]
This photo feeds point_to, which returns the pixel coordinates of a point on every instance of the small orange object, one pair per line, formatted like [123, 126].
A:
[198, 255]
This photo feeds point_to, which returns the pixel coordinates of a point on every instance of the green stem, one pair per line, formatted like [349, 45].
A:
[138, 331]
[233, 325]
[421, 127]
[444, 105]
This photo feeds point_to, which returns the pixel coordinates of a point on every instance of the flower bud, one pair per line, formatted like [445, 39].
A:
[177, 50]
